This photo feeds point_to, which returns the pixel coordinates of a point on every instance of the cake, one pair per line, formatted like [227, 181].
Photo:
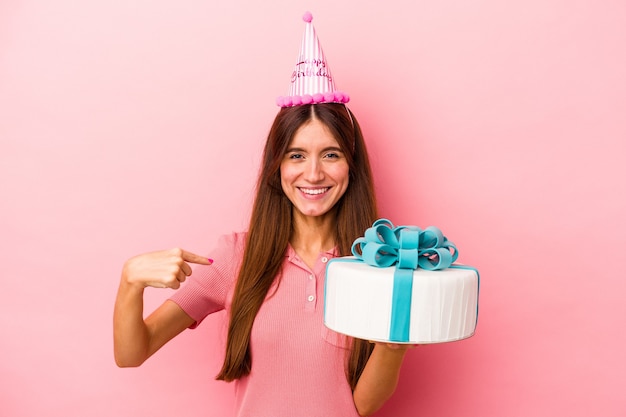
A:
[401, 286]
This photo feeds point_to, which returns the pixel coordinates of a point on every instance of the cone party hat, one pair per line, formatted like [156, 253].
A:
[311, 80]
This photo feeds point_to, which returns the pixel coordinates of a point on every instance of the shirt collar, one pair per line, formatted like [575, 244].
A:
[291, 253]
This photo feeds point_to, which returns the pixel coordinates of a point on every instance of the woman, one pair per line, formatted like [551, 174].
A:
[314, 197]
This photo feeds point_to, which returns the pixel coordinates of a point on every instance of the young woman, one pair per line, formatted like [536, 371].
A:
[314, 196]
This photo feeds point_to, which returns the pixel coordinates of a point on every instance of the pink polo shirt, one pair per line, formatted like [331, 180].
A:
[298, 365]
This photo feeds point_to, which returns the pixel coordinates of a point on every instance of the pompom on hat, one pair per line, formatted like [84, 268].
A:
[311, 80]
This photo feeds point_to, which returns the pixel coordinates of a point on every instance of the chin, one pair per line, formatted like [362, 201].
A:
[314, 212]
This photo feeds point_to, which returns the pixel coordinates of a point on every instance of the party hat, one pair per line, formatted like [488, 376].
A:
[311, 81]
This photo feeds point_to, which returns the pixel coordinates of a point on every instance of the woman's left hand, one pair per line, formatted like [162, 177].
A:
[395, 346]
[380, 376]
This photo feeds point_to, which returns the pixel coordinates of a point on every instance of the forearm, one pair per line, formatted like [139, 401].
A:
[130, 333]
[379, 378]
[134, 338]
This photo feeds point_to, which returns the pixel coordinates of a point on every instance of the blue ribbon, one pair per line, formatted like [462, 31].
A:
[409, 248]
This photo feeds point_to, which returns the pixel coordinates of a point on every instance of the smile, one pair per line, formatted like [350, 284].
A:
[314, 191]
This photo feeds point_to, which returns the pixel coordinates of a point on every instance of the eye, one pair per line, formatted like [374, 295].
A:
[332, 155]
[295, 155]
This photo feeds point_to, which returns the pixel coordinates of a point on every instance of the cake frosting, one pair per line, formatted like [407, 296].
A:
[401, 285]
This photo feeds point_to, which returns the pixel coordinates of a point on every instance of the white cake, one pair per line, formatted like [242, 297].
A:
[358, 302]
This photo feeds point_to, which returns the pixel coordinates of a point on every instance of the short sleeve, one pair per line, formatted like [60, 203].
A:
[209, 287]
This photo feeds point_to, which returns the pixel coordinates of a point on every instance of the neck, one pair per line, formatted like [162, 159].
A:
[312, 235]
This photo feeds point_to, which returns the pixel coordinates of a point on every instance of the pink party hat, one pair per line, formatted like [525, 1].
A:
[311, 81]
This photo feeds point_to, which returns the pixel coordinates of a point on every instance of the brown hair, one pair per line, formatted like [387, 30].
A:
[271, 221]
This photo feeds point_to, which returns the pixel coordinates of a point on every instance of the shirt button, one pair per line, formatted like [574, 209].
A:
[324, 259]
[311, 297]
[311, 276]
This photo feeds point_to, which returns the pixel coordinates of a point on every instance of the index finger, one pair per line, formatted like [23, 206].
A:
[196, 259]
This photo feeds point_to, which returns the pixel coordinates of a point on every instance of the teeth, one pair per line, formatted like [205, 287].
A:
[314, 191]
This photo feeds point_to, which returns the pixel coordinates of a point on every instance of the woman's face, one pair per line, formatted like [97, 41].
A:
[314, 171]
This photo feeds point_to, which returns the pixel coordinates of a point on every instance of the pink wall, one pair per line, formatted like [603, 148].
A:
[128, 126]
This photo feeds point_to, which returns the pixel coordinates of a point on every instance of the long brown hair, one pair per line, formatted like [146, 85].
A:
[271, 226]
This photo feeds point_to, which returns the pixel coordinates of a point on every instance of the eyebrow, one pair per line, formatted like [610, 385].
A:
[329, 148]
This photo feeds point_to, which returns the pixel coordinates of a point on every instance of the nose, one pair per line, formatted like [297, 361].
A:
[314, 171]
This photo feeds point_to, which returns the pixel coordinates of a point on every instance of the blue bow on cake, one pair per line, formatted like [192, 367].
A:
[409, 248]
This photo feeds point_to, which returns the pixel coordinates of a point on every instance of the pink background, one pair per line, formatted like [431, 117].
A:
[129, 126]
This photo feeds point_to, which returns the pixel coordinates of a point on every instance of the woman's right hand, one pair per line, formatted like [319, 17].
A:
[161, 269]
